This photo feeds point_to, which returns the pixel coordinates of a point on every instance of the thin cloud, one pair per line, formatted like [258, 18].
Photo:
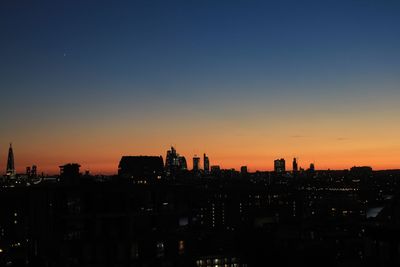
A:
[298, 136]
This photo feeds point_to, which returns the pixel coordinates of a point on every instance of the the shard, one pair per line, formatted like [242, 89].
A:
[10, 163]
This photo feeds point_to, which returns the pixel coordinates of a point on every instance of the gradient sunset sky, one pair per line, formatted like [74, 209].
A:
[244, 81]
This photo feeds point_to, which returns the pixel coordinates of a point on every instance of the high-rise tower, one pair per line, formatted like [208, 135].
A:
[10, 172]
[206, 163]
[182, 163]
[279, 166]
[196, 163]
[295, 165]
[174, 163]
[171, 162]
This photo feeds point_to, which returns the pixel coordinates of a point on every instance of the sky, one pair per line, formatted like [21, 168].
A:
[246, 82]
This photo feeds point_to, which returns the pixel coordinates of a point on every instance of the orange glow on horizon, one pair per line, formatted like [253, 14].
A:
[253, 141]
[109, 165]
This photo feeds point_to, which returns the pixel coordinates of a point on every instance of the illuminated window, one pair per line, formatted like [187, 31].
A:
[160, 249]
[181, 247]
[134, 251]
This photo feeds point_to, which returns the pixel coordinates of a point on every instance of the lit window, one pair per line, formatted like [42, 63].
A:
[160, 249]
[181, 247]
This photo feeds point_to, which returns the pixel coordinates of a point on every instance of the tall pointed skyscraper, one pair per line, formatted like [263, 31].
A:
[10, 163]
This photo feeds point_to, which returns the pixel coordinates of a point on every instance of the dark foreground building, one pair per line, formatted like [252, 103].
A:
[141, 169]
[322, 218]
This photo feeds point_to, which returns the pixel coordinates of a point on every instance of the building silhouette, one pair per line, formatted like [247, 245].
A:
[312, 167]
[295, 165]
[196, 163]
[141, 169]
[206, 163]
[347, 218]
[174, 163]
[69, 173]
[171, 161]
[182, 163]
[34, 171]
[31, 172]
[215, 170]
[279, 166]
[243, 170]
[10, 171]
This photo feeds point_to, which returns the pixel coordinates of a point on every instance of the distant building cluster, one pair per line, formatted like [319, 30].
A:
[174, 163]
[12, 178]
[140, 169]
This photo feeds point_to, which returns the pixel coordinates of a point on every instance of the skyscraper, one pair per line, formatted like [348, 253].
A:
[295, 166]
[10, 172]
[171, 162]
[172, 158]
[182, 163]
[206, 162]
[279, 166]
[34, 171]
[174, 163]
[196, 163]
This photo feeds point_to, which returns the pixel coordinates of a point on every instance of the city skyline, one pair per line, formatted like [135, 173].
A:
[244, 82]
[198, 133]
[268, 166]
